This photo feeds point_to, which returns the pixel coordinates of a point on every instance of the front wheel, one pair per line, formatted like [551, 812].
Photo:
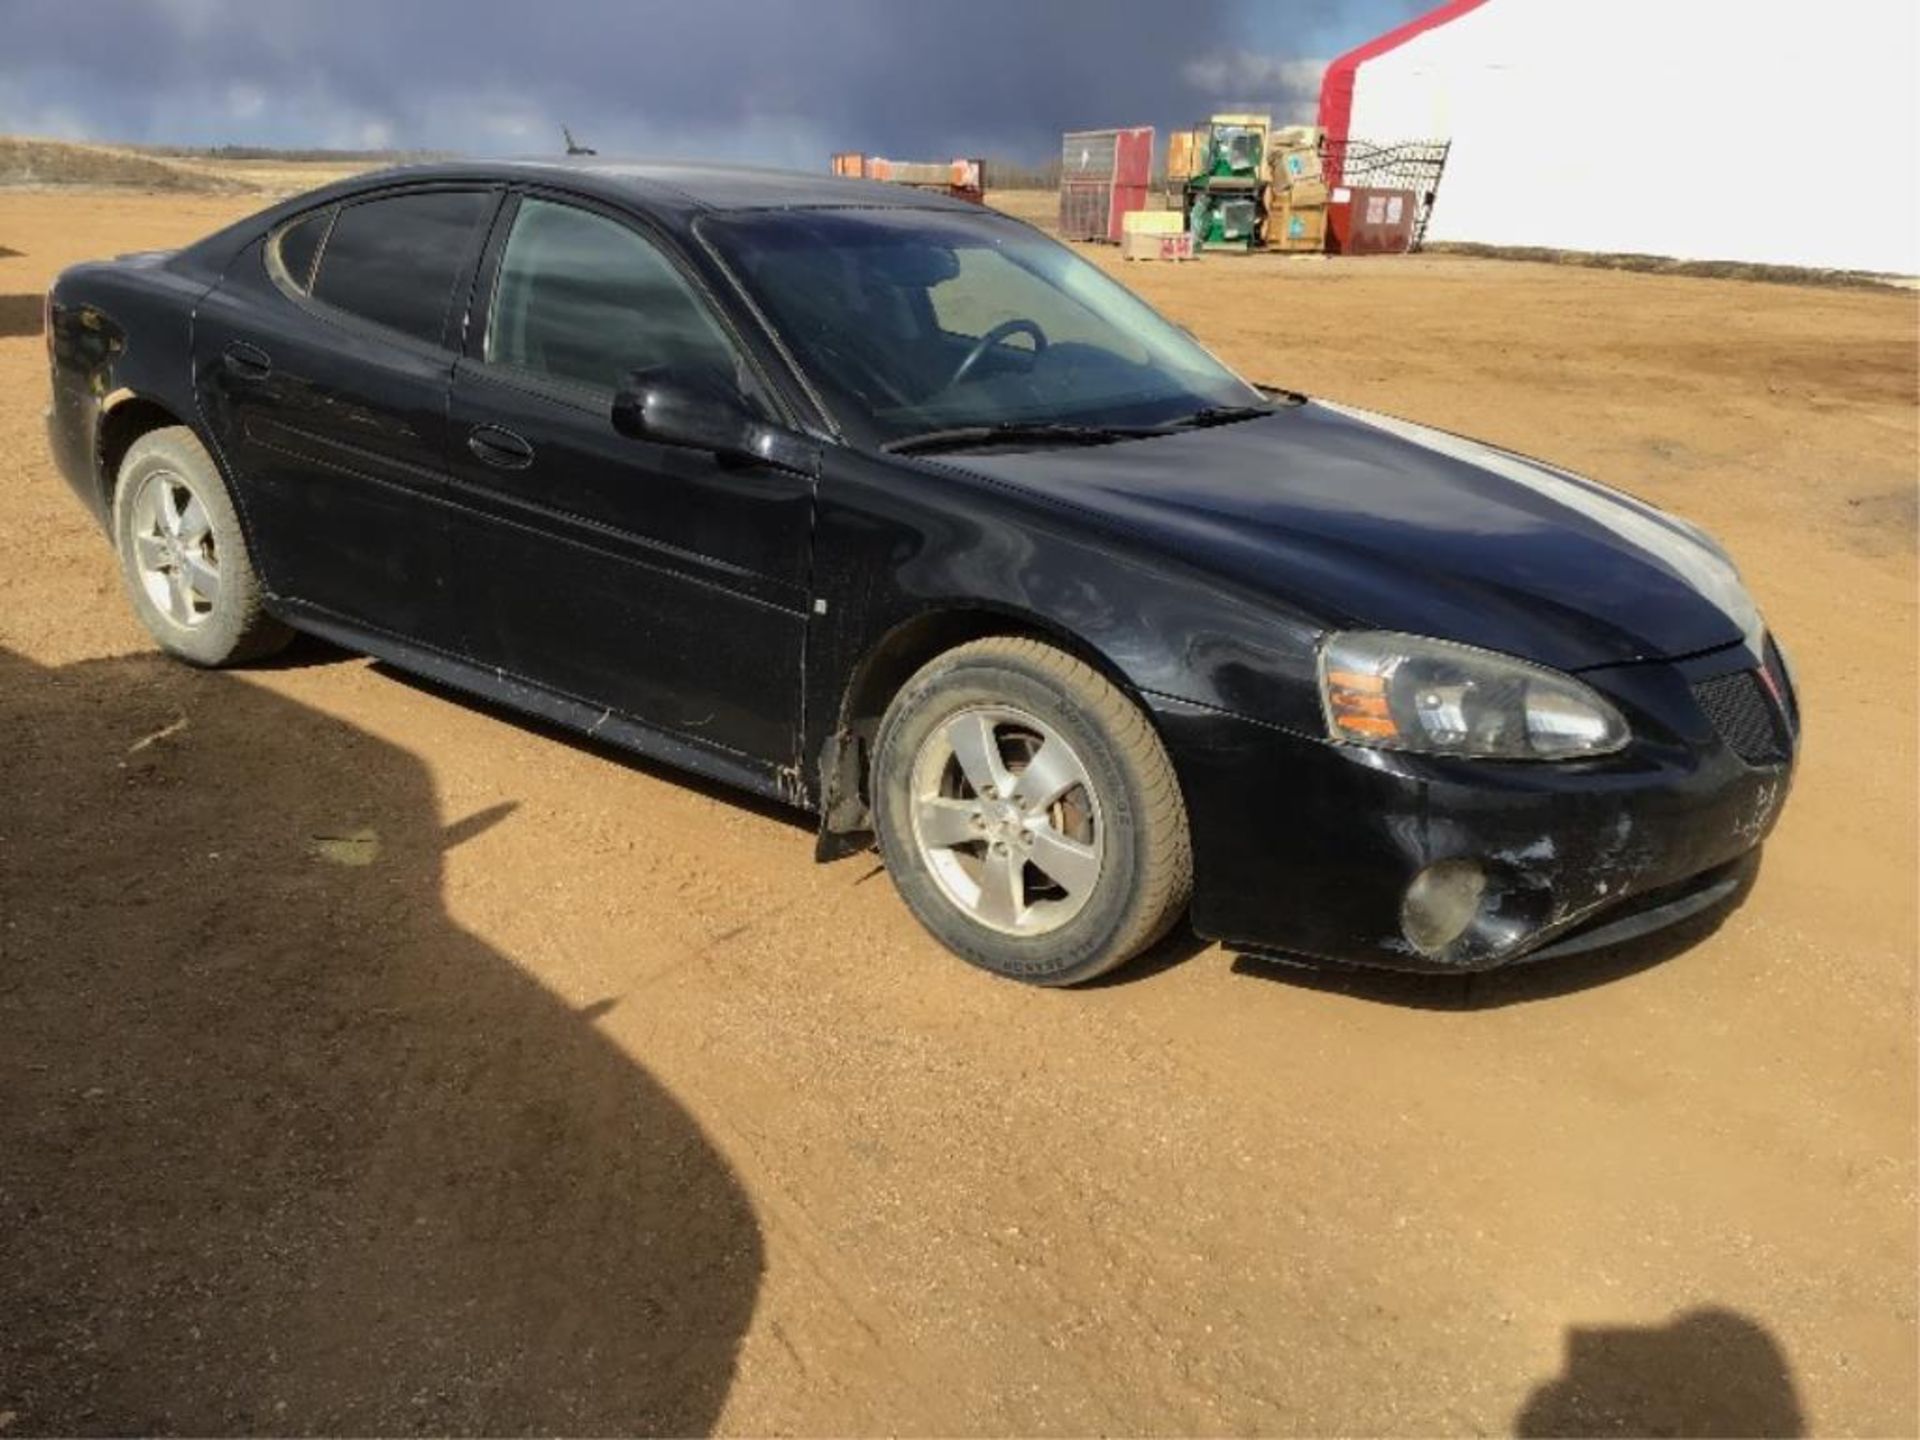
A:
[1028, 813]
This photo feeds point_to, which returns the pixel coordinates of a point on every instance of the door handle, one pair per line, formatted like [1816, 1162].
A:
[249, 361]
[502, 449]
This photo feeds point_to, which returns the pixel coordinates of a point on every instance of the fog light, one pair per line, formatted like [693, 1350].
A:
[1441, 903]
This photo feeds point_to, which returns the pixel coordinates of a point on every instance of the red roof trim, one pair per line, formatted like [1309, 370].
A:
[1336, 87]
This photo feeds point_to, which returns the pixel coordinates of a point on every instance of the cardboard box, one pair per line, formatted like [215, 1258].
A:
[1298, 228]
[1292, 166]
[1152, 222]
[1306, 194]
[1138, 246]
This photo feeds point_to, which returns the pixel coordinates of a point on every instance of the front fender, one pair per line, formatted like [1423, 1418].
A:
[898, 541]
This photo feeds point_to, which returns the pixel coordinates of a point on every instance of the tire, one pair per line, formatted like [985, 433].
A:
[183, 556]
[1018, 875]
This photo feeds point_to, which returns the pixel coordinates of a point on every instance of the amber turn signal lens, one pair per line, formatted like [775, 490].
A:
[1357, 704]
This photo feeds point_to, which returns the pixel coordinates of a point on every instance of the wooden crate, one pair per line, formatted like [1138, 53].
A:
[1138, 246]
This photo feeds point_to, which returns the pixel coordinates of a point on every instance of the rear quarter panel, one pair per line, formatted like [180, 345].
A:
[122, 330]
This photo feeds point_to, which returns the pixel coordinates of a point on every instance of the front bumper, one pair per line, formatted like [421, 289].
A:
[1306, 848]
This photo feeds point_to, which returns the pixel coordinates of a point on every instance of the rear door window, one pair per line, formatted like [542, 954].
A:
[396, 260]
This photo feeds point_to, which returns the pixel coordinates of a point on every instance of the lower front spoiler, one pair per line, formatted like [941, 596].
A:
[1658, 910]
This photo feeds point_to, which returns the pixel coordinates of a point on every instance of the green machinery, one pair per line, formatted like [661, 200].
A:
[1224, 196]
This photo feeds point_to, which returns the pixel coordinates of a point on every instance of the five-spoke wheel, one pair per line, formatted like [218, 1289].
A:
[184, 557]
[1007, 820]
[1028, 813]
[174, 548]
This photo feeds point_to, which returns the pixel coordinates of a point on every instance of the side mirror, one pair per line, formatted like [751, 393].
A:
[694, 414]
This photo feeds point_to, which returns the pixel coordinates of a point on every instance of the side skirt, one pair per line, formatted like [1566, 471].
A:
[769, 781]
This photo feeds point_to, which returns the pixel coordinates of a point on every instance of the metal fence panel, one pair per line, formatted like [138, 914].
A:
[1414, 165]
[1089, 154]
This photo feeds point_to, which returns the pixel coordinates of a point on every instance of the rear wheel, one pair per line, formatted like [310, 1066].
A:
[183, 558]
[1028, 813]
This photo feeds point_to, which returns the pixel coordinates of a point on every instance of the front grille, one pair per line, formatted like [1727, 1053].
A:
[1745, 716]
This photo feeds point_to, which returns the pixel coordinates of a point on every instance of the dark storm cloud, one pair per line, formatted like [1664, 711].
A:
[730, 78]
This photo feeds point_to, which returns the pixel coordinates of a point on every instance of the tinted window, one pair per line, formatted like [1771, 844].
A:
[299, 243]
[583, 298]
[397, 260]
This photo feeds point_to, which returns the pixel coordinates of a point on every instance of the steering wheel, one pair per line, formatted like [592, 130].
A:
[1005, 330]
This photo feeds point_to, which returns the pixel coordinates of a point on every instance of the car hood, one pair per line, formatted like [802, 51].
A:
[1363, 520]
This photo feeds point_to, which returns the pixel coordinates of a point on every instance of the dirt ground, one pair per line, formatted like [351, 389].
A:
[371, 1061]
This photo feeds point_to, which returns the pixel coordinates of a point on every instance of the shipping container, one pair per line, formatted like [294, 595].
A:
[1371, 220]
[1103, 175]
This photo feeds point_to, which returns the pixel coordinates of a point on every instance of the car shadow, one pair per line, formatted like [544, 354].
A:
[1708, 1372]
[282, 1148]
[304, 652]
[1176, 947]
[1518, 984]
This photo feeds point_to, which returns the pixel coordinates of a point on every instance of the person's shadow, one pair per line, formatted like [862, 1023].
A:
[282, 1148]
[1707, 1372]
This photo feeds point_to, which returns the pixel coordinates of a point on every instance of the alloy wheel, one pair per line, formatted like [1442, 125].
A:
[1007, 820]
[174, 549]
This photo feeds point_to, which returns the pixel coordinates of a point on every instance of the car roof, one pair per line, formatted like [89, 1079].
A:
[680, 186]
[675, 192]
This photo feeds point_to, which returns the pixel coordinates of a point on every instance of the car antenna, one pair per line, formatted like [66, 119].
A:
[574, 147]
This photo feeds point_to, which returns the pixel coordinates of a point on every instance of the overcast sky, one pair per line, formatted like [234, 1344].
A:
[785, 83]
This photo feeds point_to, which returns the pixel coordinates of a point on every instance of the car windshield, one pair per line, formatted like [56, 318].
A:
[916, 322]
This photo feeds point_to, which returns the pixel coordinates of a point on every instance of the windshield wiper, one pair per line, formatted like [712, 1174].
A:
[1209, 415]
[1016, 432]
[962, 437]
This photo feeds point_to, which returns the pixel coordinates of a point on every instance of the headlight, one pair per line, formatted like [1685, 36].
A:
[1403, 692]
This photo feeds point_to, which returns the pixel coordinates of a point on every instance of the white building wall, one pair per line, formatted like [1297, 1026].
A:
[1752, 130]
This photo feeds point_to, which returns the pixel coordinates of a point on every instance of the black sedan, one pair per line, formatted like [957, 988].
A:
[894, 509]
